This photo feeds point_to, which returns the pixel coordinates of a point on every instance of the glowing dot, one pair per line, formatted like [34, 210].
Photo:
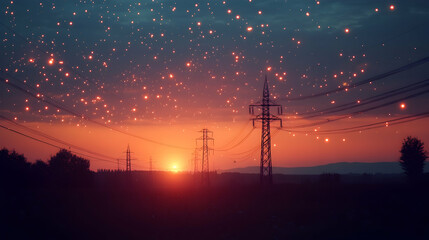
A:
[326, 139]
[392, 7]
[249, 29]
[27, 109]
[269, 68]
[376, 9]
[307, 14]
[31, 60]
[346, 30]
[229, 11]
[71, 23]
[90, 57]
[146, 97]
[67, 74]
[344, 139]
[259, 12]
[237, 17]
[188, 64]
[51, 61]
[403, 106]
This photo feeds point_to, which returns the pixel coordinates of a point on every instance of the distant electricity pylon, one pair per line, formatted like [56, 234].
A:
[205, 171]
[150, 164]
[265, 171]
[128, 159]
[195, 160]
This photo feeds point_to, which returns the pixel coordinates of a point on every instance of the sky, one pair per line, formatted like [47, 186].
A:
[95, 76]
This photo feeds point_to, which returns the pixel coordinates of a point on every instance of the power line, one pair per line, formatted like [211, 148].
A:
[365, 81]
[396, 121]
[34, 131]
[237, 144]
[83, 116]
[369, 100]
[360, 111]
[236, 136]
[53, 145]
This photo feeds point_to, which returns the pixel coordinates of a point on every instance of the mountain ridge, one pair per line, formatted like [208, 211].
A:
[339, 167]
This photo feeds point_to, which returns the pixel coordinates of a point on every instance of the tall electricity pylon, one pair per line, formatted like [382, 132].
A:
[128, 159]
[195, 160]
[205, 171]
[266, 171]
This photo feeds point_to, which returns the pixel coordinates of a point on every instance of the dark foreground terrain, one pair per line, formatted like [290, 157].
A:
[171, 206]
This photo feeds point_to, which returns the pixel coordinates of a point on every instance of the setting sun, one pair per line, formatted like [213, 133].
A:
[174, 168]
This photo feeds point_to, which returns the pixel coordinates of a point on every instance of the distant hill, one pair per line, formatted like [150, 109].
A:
[340, 168]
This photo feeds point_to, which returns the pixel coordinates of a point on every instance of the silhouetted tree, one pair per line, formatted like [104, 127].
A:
[14, 169]
[39, 173]
[412, 157]
[69, 169]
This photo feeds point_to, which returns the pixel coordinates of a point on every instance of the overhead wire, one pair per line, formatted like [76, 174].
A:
[44, 135]
[358, 128]
[83, 116]
[362, 82]
[326, 121]
[53, 145]
[366, 101]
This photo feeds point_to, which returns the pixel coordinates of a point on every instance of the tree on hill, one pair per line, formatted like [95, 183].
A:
[69, 169]
[413, 157]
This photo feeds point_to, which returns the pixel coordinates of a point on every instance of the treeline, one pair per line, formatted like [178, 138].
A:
[64, 169]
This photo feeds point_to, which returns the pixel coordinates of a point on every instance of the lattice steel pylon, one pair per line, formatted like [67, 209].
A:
[205, 170]
[195, 160]
[128, 159]
[265, 171]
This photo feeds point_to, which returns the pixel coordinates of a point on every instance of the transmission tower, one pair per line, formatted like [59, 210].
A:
[265, 171]
[205, 171]
[195, 160]
[128, 159]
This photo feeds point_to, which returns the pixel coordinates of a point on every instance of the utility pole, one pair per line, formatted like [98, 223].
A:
[150, 164]
[265, 171]
[205, 171]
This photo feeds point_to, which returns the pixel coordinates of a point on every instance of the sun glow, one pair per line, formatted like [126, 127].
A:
[175, 168]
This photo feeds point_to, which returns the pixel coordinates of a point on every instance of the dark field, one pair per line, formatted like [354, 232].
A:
[172, 206]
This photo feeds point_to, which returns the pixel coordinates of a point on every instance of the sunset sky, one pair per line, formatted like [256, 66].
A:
[95, 76]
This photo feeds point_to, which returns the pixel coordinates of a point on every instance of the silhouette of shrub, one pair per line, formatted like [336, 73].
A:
[412, 157]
